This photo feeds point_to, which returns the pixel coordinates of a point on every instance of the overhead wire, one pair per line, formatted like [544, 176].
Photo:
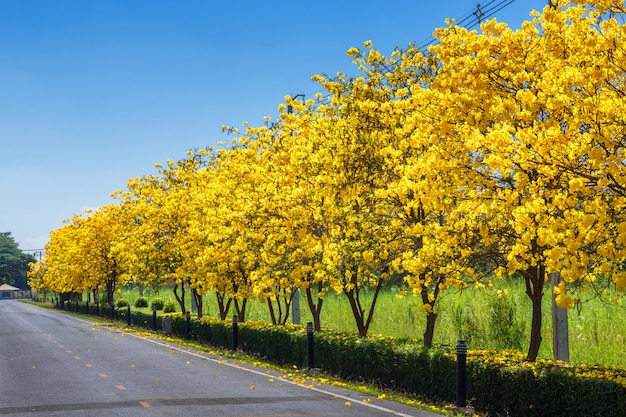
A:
[472, 18]
[469, 20]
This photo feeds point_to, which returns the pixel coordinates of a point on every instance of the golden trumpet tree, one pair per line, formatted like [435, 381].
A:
[382, 120]
[513, 109]
[159, 209]
[87, 253]
[296, 215]
[340, 143]
[225, 229]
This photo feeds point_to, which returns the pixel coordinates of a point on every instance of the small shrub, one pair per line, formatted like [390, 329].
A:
[158, 303]
[121, 302]
[141, 302]
[506, 329]
[102, 299]
[169, 307]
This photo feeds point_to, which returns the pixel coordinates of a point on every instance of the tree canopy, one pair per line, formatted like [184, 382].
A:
[14, 264]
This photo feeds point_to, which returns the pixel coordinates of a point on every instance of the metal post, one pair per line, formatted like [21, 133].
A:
[310, 345]
[235, 334]
[188, 327]
[154, 318]
[128, 314]
[461, 374]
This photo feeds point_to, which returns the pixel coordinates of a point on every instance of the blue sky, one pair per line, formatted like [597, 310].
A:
[94, 92]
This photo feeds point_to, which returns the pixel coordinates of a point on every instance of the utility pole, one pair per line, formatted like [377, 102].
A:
[295, 296]
[560, 330]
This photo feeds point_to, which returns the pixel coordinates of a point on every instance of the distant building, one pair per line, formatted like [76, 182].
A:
[8, 292]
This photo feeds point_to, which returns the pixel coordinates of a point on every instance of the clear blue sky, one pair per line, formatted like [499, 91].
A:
[94, 92]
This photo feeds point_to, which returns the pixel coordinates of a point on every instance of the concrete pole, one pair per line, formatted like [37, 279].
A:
[560, 331]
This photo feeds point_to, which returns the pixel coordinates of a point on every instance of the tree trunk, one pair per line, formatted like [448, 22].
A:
[110, 289]
[196, 296]
[535, 279]
[180, 298]
[241, 309]
[431, 318]
[270, 306]
[223, 305]
[357, 312]
[315, 306]
[362, 323]
[429, 333]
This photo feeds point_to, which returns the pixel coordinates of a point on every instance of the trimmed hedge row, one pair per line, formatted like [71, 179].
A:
[499, 383]
[502, 382]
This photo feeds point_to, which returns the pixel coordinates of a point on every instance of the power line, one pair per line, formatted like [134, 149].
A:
[469, 20]
[472, 18]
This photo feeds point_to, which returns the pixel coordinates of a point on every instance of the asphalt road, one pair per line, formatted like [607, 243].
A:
[52, 364]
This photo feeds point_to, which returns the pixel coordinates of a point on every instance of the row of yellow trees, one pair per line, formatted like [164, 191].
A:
[497, 152]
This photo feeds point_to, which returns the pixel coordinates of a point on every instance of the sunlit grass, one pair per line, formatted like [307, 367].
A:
[597, 333]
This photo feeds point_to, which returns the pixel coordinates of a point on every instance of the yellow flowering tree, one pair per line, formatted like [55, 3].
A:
[358, 237]
[512, 112]
[86, 253]
[159, 208]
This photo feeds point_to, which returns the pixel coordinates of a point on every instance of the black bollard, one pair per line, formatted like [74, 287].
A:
[154, 321]
[87, 307]
[235, 334]
[461, 374]
[128, 314]
[310, 345]
[188, 327]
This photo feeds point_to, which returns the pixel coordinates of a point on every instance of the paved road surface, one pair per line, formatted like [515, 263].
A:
[52, 364]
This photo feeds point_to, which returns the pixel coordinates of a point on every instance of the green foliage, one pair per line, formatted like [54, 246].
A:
[505, 329]
[158, 303]
[121, 302]
[169, 307]
[13, 262]
[502, 383]
[141, 302]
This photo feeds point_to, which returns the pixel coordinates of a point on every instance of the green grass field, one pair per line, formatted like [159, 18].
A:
[486, 320]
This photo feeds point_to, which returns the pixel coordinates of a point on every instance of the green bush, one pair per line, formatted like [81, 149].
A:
[503, 383]
[141, 302]
[158, 303]
[121, 302]
[169, 307]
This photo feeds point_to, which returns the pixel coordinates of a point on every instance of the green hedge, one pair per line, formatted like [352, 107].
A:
[500, 383]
